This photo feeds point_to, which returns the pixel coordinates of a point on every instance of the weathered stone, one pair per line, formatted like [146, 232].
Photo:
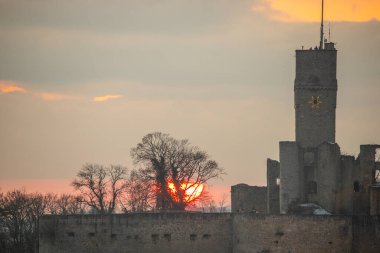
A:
[208, 233]
[246, 198]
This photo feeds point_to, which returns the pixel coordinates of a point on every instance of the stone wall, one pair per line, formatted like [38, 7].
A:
[136, 233]
[246, 198]
[291, 175]
[366, 234]
[208, 233]
[346, 181]
[269, 234]
[366, 177]
[328, 167]
[273, 187]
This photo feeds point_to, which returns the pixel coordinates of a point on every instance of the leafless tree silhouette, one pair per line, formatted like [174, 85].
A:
[167, 160]
[101, 187]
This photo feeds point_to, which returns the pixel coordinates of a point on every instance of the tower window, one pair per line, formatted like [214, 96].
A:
[308, 158]
[356, 186]
[154, 237]
[312, 187]
[377, 166]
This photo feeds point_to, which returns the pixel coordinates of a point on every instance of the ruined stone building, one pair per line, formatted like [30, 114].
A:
[312, 169]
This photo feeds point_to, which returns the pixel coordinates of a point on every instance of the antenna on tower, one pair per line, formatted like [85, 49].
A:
[329, 32]
[321, 41]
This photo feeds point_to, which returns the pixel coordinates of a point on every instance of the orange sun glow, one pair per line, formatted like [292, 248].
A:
[191, 191]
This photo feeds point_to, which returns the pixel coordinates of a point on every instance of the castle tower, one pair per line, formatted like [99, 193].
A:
[312, 176]
[309, 165]
[315, 94]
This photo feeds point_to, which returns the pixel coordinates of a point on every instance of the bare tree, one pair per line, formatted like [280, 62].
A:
[208, 205]
[69, 204]
[222, 203]
[19, 215]
[139, 193]
[13, 208]
[101, 187]
[168, 161]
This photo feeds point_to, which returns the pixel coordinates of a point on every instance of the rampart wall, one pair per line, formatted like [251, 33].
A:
[283, 233]
[208, 233]
[137, 233]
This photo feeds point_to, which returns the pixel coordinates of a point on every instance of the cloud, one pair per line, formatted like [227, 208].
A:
[49, 96]
[9, 87]
[310, 11]
[106, 97]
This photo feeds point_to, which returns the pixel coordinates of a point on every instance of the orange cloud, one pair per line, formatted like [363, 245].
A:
[54, 96]
[310, 11]
[8, 87]
[106, 97]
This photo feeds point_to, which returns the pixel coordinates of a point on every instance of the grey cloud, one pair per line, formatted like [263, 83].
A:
[153, 16]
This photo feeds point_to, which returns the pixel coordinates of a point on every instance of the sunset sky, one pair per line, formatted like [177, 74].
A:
[84, 81]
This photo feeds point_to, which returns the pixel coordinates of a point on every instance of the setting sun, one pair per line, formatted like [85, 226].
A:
[191, 191]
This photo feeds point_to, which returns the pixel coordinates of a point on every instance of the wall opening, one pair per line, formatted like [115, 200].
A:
[206, 236]
[308, 158]
[168, 237]
[377, 166]
[312, 187]
[356, 186]
[278, 181]
[154, 237]
[279, 233]
[193, 237]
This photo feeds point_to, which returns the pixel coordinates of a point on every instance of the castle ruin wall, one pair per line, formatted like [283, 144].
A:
[208, 232]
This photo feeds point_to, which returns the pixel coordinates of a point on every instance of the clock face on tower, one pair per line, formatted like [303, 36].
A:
[315, 102]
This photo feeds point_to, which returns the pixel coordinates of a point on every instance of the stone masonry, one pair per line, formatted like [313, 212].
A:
[208, 233]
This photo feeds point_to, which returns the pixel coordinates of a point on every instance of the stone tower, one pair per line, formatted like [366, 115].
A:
[312, 172]
[309, 166]
[315, 94]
